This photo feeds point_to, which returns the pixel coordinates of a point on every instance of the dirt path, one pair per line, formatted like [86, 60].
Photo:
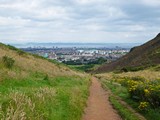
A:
[98, 105]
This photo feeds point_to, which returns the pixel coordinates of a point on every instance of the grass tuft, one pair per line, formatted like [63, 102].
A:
[122, 110]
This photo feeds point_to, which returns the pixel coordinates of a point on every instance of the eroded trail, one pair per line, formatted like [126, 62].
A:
[98, 105]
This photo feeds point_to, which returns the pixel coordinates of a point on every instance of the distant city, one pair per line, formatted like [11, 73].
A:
[77, 45]
[78, 53]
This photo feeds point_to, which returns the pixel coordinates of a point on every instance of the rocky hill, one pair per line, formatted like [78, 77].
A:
[139, 57]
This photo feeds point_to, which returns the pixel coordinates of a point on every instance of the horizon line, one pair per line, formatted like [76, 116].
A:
[76, 43]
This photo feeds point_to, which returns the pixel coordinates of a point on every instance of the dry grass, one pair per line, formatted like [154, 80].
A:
[22, 107]
[26, 64]
[147, 74]
[108, 76]
[22, 100]
[36, 89]
[17, 105]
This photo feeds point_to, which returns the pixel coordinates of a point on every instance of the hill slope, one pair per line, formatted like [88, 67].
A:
[26, 64]
[33, 88]
[142, 56]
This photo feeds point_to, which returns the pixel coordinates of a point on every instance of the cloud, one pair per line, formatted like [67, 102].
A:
[81, 20]
[153, 3]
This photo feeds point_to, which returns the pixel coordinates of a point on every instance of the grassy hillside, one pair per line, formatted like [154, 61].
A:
[84, 68]
[33, 88]
[139, 89]
[138, 58]
[26, 64]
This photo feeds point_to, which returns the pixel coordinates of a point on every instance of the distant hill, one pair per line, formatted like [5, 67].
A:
[139, 57]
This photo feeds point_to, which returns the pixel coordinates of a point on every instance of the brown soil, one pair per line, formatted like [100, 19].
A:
[98, 105]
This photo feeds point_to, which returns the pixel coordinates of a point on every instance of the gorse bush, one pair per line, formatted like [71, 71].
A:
[144, 91]
[138, 90]
[143, 105]
[8, 62]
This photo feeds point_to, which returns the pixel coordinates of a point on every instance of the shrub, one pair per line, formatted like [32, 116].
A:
[143, 90]
[20, 52]
[12, 47]
[8, 62]
[157, 68]
[46, 78]
[143, 106]
[132, 69]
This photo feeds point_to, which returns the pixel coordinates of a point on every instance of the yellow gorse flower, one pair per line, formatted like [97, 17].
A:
[146, 91]
[143, 105]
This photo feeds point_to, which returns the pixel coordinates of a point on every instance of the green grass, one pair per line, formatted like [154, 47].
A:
[33, 92]
[153, 114]
[84, 68]
[122, 92]
[123, 111]
[58, 98]
[116, 89]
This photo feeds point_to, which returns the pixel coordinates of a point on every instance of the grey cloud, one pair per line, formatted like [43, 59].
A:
[84, 20]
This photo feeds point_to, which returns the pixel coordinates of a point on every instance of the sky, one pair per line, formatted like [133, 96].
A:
[86, 21]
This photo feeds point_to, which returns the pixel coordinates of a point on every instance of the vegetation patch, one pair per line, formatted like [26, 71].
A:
[157, 68]
[87, 66]
[122, 110]
[8, 62]
[131, 69]
[144, 91]
[34, 88]
[140, 93]
[37, 97]
[83, 68]
[20, 52]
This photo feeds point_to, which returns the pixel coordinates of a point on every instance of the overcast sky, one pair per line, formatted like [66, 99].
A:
[106, 21]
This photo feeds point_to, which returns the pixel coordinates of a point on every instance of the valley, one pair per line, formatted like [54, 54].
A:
[79, 60]
[34, 87]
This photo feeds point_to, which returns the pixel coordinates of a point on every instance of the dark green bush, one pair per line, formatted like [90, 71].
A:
[20, 52]
[157, 68]
[12, 47]
[8, 62]
[46, 77]
[132, 69]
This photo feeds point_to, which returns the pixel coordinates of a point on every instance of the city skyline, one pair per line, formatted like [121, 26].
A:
[78, 21]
